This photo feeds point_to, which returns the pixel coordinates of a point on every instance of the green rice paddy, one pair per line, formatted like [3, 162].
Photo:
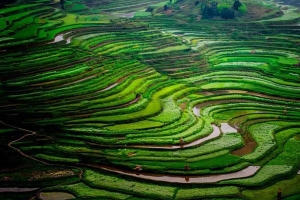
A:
[137, 100]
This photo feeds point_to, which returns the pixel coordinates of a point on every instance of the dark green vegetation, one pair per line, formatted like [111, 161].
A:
[149, 100]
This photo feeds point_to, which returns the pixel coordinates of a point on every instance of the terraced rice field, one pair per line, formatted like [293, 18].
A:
[98, 107]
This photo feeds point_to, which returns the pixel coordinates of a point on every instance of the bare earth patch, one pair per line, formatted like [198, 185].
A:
[55, 195]
[183, 106]
[249, 146]
[256, 12]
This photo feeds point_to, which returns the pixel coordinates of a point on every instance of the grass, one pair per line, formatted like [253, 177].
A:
[55, 159]
[16, 8]
[142, 14]
[287, 16]
[126, 82]
[289, 187]
[131, 187]
[196, 193]
[263, 135]
[170, 112]
[137, 125]
[264, 176]
[168, 49]
[80, 190]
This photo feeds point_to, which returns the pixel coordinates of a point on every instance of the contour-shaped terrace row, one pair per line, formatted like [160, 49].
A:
[127, 107]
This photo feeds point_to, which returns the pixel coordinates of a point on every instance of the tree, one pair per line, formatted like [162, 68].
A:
[209, 9]
[227, 13]
[236, 5]
[165, 7]
[62, 4]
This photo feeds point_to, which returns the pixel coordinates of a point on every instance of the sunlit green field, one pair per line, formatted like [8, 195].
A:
[149, 100]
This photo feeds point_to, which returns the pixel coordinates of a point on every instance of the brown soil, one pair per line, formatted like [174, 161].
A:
[183, 106]
[216, 102]
[168, 12]
[256, 12]
[297, 137]
[249, 146]
[80, 80]
[173, 69]
[42, 84]
[100, 44]
[172, 57]
[37, 175]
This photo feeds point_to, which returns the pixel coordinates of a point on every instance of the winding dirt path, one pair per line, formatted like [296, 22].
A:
[31, 133]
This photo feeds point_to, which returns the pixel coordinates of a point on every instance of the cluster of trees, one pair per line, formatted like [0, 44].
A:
[62, 4]
[210, 9]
